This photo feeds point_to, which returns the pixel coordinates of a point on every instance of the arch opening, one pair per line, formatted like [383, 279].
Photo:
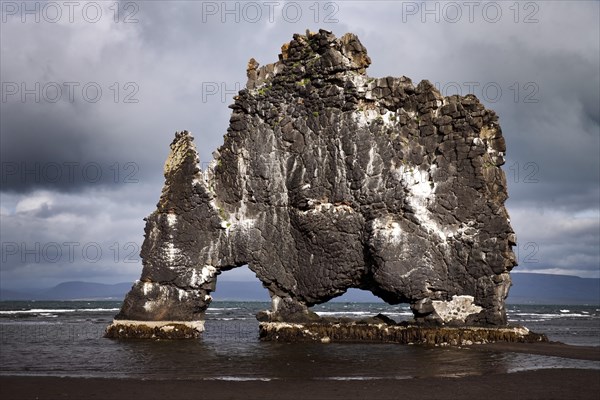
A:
[360, 304]
[231, 316]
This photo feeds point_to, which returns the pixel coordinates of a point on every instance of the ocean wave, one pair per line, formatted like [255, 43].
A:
[362, 313]
[352, 378]
[56, 311]
[231, 319]
[548, 316]
[238, 378]
[363, 378]
[343, 313]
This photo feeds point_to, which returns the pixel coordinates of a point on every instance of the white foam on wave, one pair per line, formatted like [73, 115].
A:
[353, 378]
[548, 316]
[373, 313]
[232, 318]
[60, 311]
[343, 312]
[238, 378]
[398, 314]
[363, 378]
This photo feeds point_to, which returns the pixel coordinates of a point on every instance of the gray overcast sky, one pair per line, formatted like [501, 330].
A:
[93, 92]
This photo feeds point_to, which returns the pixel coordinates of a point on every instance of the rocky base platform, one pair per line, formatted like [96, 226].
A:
[358, 331]
[123, 329]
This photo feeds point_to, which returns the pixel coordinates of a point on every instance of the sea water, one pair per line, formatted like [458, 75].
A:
[66, 339]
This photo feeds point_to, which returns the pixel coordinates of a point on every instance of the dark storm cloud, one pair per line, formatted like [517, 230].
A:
[64, 150]
[185, 64]
[172, 72]
[151, 85]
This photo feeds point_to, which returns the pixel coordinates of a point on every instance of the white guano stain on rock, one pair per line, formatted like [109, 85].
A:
[421, 191]
[371, 159]
[363, 118]
[171, 252]
[150, 305]
[388, 229]
[164, 293]
[457, 309]
[318, 207]
[389, 118]
[199, 277]
[360, 81]
[147, 287]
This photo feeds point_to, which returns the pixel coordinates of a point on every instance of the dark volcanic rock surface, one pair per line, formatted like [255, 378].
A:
[329, 179]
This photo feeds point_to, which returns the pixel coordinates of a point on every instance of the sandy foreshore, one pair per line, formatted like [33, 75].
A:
[554, 349]
[539, 384]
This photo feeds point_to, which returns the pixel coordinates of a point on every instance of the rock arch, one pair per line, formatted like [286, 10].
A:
[329, 179]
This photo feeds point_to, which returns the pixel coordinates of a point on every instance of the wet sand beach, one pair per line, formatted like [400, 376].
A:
[542, 384]
[537, 384]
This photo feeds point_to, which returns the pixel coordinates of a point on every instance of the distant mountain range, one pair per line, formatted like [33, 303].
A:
[527, 289]
[71, 291]
[553, 289]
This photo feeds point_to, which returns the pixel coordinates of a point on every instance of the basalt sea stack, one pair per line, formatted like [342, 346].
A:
[329, 179]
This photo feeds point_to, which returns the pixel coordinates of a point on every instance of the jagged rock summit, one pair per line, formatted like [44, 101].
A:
[329, 179]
